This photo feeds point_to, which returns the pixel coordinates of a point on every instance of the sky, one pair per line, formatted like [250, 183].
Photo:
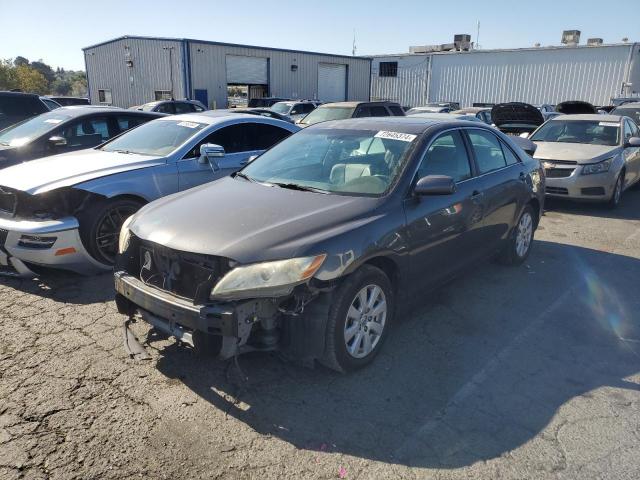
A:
[57, 31]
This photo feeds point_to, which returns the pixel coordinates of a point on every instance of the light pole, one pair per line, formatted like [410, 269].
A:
[170, 49]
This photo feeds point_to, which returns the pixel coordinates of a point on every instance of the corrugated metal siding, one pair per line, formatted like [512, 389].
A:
[409, 88]
[547, 75]
[533, 76]
[208, 72]
[107, 69]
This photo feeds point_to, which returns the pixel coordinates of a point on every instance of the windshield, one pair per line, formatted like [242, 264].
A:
[157, 137]
[281, 108]
[26, 131]
[574, 131]
[324, 114]
[631, 112]
[359, 162]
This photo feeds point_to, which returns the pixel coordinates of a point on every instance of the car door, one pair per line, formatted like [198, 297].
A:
[503, 184]
[240, 142]
[442, 229]
[631, 154]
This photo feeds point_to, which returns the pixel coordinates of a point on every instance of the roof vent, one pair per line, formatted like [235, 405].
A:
[571, 37]
[595, 42]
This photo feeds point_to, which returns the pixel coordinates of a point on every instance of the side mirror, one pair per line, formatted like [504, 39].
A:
[633, 142]
[209, 153]
[524, 135]
[57, 141]
[435, 185]
[525, 144]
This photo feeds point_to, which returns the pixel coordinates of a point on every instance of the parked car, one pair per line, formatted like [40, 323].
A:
[173, 107]
[17, 106]
[343, 110]
[576, 107]
[617, 101]
[515, 118]
[482, 113]
[631, 110]
[265, 102]
[349, 221]
[443, 117]
[295, 110]
[589, 157]
[265, 112]
[66, 211]
[437, 107]
[69, 101]
[64, 130]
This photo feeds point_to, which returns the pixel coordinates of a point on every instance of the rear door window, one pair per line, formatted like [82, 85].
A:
[363, 112]
[87, 132]
[261, 136]
[448, 156]
[125, 122]
[379, 111]
[487, 150]
[166, 108]
[396, 110]
[183, 107]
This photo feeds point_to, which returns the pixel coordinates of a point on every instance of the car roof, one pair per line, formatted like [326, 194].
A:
[18, 94]
[443, 116]
[472, 110]
[211, 117]
[355, 104]
[589, 117]
[410, 124]
[629, 104]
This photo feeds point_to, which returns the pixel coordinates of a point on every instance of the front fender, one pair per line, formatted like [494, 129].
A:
[147, 183]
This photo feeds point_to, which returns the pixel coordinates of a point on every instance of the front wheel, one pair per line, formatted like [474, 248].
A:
[614, 201]
[100, 226]
[519, 244]
[359, 319]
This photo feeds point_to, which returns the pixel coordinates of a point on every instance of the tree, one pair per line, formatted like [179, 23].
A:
[61, 86]
[20, 61]
[8, 79]
[46, 71]
[30, 80]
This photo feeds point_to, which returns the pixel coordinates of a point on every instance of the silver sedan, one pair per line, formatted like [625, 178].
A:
[66, 211]
[589, 157]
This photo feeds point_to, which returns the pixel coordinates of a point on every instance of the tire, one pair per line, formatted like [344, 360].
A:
[616, 196]
[341, 353]
[100, 225]
[519, 244]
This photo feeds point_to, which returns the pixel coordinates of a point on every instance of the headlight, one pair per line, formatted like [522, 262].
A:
[125, 235]
[269, 279]
[600, 167]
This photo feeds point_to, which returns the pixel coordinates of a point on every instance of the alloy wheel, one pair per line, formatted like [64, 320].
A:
[365, 321]
[524, 234]
[108, 231]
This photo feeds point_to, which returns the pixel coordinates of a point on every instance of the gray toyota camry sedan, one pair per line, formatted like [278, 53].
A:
[316, 245]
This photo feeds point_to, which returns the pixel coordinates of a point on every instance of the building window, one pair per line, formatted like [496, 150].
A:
[388, 69]
[162, 95]
[104, 97]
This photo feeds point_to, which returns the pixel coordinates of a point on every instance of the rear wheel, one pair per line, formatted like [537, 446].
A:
[519, 245]
[100, 226]
[359, 320]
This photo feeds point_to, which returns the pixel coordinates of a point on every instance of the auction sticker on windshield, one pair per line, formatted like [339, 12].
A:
[404, 137]
[608, 124]
[53, 120]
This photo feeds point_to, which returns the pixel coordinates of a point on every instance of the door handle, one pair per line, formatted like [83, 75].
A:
[477, 194]
[523, 177]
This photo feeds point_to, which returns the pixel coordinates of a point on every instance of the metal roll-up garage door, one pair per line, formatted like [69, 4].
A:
[245, 70]
[332, 82]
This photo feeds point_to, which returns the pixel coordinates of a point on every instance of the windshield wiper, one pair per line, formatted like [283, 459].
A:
[302, 188]
[243, 175]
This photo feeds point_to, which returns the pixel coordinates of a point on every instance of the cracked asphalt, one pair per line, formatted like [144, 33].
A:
[530, 372]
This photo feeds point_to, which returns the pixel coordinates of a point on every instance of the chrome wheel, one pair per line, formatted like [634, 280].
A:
[524, 234]
[365, 321]
[108, 231]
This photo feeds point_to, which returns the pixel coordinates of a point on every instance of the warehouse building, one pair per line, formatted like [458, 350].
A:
[133, 70]
[594, 73]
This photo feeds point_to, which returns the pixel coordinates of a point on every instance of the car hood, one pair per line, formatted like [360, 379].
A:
[50, 173]
[577, 152]
[516, 113]
[250, 222]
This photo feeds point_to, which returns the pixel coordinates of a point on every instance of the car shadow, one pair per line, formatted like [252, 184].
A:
[627, 210]
[64, 287]
[474, 372]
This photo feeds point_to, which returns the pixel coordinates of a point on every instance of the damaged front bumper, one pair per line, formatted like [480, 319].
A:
[243, 326]
[25, 243]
